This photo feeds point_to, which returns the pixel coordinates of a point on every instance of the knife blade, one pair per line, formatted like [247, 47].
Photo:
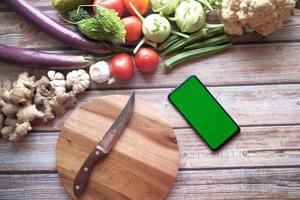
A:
[103, 147]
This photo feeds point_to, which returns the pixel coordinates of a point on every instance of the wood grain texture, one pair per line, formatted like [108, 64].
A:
[234, 184]
[253, 147]
[248, 105]
[37, 3]
[143, 164]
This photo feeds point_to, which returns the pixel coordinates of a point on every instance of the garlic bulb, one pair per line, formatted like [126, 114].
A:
[78, 81]
[57, 81]
[100, 72]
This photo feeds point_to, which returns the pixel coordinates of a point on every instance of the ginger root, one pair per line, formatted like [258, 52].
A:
[20, 132]
[27, 100]
[29, 113]
[44, 93]
[9, 126]
[23, 90]
[1, 120]
[62, 102]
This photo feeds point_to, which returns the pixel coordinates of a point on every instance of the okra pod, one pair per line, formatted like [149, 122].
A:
[166, 44]
[198, 36]
[223, 39]
[192, 54]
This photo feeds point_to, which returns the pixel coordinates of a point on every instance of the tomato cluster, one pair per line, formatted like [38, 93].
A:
[133, 25]
[145, 60]
[122, 65]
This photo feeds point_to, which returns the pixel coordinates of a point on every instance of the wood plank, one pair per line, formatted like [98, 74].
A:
[253, 147]
[237, 184]
[192, 185]
[248, 105]
[240, 65]
[18, 32]
[36, 152]
[37, 3]
[8, 72]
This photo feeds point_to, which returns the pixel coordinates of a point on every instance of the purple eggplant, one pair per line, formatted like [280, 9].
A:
[56, 29]
[38, 59]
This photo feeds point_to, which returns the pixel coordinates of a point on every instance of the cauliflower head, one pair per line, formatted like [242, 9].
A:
[262, 16]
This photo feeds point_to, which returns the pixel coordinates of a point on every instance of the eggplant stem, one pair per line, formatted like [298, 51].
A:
[136, 11]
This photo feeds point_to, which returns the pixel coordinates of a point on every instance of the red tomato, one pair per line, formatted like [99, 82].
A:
[121, 67]
[141, 5]
[146, 60]
[133, 27]
[116, 5]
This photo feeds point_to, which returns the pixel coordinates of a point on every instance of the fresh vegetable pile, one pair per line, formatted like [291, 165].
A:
[133, 34]
[171, 27]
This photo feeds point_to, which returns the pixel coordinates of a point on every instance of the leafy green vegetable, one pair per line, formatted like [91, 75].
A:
[113, 28]
[78, 15]
[91, 29]
[105, 26]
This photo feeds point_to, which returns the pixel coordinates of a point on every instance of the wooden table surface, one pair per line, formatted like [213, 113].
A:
[257, 81]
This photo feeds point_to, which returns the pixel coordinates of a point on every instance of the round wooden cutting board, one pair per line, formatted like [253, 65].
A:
[142, 165]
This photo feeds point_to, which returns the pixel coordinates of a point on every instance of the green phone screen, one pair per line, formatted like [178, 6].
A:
[204, 113]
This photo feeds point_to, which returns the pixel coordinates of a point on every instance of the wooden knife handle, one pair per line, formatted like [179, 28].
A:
[83, 175]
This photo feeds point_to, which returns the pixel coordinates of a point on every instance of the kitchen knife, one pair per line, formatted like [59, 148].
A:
[103, 147]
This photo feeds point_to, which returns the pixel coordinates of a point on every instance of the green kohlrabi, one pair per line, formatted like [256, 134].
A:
[156, 28]
[166, 7]
[190, 16]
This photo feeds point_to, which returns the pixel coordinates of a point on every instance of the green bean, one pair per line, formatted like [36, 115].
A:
[198, 36]
[196, 53]
[209, 42]
[166, 44]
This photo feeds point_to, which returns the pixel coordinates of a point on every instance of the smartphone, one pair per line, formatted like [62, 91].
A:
[203, 112]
